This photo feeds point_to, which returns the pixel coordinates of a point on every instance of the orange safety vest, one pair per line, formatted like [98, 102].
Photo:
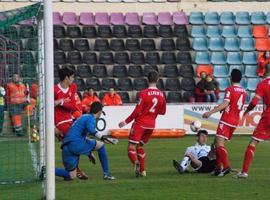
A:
[16, 93]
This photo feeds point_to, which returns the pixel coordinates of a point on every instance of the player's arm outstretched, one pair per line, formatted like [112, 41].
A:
[218, 108]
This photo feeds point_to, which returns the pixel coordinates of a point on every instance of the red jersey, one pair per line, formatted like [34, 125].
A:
[151, 104]
[236, 96]
[63, 112]
[263, 90]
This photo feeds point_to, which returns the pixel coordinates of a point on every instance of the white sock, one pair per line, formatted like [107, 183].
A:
[185, 163]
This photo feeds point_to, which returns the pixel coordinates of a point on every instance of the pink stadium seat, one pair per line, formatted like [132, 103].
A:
[26, 22]
[70, 18]
[102, 18]
[87, 18]
[57, 18]
[117, 19]
[149, 18]
[180, 18]
[132, 19]
[165, 18]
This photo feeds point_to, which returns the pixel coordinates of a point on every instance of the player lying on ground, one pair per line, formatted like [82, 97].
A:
[76, 143]
[234, 99]
[201, 157]
[262, 131]
[151, 104]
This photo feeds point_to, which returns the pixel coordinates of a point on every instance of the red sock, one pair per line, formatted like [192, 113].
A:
[218, 161]
[248, 158]
[223, 156]
[132, 154]
[141, 157]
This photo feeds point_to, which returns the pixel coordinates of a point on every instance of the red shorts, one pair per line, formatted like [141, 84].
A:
[139, 135]
[262, 131]
[225, 131]
[63, 128]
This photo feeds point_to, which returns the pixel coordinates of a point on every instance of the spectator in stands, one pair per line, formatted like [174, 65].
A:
[2, 105]
[111, 98]
[89, 97]
[263, 60]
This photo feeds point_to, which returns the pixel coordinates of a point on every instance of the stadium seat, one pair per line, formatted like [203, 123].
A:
[132, 18]
[89, 58]
[268, 17]
[125, 97]
[252, 83]
[57, 18]
[247, 44]
[165, 31]
[216, 44]
[70, 18]
[149, 18]
[243, 83]
[135, 71]
[229, 31]
[137, 58]
[160, 85]
[251, 95]
[242, 18]
[188, 84]
[73, 32]
[221, 97]
[202, 58]
[134, 31]
[218, 58]
[89, 32]
[170, 71]
[105, 58]
[121, 58]
[250, 58]
[172, 84]
[108, 83]
[188, 96]
[81, 45]
[117, 19]
[87, 18]
[65, 45]
[221, 71]
[231, 44]
[258, 18]
[227, 18]
[102, 18]
[167, 44]
[58, 31]
[26, 31]
[200, 44]
[93, 83]
[149, 68]
[198, 31]
[165, 18]
[180, 18]
[99, 71]
[117, 45]
[119, 71]
[260, 31]
[182, 44]
[132, 45]
[32, 44]
[124, 84]
[104, 31]
[119, 31]
[28, 57]
[196, 18]
[168, 58]
[183, 57]
[213, 31]
[208, 69]
[84, 71]
[80, 84]
[101, 45]
[250, 71]
[234, 58]
[186, 70]
[152, 58]
[140, 84]
[244, 31]
[180, 31]
[174, 97]
[59, 57]
[211, 18]
[74, 57]
[239, 67]
[262, 44]
[223, 83]
[150, 31]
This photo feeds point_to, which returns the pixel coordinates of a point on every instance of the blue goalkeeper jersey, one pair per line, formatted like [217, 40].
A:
[83, 126]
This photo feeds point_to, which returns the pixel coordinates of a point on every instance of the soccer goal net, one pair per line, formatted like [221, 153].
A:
[21, 103]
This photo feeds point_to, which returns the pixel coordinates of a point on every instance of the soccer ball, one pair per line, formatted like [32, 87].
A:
[196, 126]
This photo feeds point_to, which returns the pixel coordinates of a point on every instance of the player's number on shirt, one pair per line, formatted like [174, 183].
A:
[155, 102]
[240, 102]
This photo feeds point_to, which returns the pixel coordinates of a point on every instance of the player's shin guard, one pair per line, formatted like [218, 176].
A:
[248, 158]
[132, 154]
[223, 156]
[103, 159]
[141, 157]
[62, 173]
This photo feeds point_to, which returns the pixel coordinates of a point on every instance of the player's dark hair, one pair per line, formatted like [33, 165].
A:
[95, 107]
[65, 72]
[202, 132]
[153, 76]
[236, 75]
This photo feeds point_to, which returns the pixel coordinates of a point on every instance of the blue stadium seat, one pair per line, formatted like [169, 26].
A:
[213, 31]
[250, 71]
[199, 44]
[244, 31]
[228, 31]
[249, 58]
[202, 57]
[248, 97]
[211, 18]
[239, 67]
[221, 97]
[198, 31]
[258, 18]
[227, 18]
[216, 44]
[221, 71]
[242, 18]
[223, 83]
[268, 18]
[252, 83]
[218, 58]
[247, 44]
[251, 95]
[243, 83]
[234, 58]
[231, 44]
[196, 18]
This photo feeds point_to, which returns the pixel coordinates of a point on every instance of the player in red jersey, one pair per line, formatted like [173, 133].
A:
[65, 93]
[231, 107]
[151, 104]
[262, 131]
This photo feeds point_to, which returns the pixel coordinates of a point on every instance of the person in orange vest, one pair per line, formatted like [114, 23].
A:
[111, 98]
[263, 60]
[16, 102]
[90, 97]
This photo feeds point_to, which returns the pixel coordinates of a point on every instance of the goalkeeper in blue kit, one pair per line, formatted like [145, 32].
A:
[76, 143]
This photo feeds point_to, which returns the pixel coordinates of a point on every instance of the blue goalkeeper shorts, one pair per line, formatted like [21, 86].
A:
[71, 152]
